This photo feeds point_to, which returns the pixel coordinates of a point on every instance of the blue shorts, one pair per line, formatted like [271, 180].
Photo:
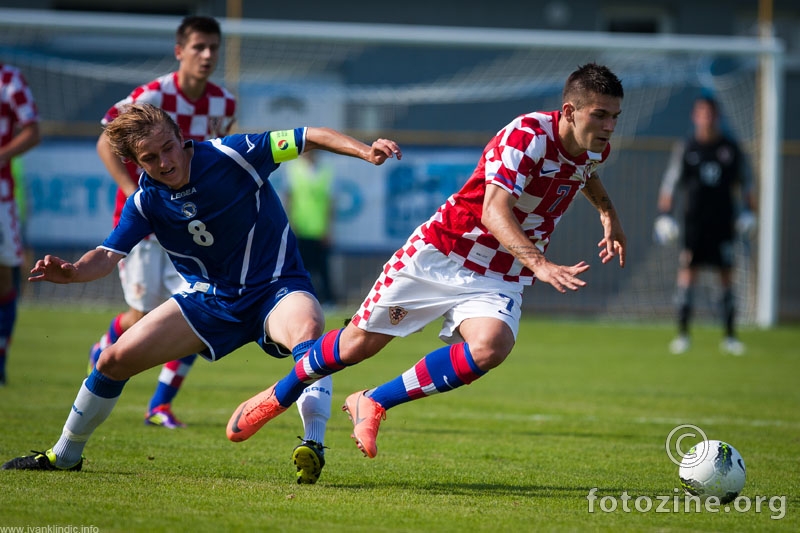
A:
[225, 324]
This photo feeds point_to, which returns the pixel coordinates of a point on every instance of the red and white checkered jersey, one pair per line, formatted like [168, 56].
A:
[17, 109]
[210, 116]
[526, 159]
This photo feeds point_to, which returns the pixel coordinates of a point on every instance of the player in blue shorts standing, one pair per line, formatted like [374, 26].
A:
[222, 224]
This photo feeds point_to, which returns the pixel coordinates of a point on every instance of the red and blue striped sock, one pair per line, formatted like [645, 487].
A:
[320, 361]
[170, 380]
[113, 333]
[442, 370]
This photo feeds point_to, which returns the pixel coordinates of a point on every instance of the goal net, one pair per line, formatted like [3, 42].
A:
[440, 92]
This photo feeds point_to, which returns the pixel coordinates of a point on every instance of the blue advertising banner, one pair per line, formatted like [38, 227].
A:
[70, 196]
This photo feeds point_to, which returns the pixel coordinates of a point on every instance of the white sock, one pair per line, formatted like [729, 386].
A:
[315, 409]
[88, 412]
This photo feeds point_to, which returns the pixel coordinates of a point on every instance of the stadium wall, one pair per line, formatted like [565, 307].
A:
[70, 211]
[441, 102]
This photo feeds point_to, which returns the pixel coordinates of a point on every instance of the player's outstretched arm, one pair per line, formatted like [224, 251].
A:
[499, 219]
[613, 243]
[339, 143]
[93, 265]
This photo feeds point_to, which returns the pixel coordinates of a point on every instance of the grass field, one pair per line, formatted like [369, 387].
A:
[578, 405]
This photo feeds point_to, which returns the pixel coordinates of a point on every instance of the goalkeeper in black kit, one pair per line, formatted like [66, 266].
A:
[709, 169]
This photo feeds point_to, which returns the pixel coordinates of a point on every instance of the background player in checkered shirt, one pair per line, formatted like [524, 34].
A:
[203, 111]
[19, 132]
[470, 261]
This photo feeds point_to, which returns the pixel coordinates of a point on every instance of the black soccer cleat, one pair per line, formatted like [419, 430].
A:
[39, 461]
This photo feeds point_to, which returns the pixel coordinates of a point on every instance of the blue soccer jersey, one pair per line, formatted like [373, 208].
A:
[226, 231]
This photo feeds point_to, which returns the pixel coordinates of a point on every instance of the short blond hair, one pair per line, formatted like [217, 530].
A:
[136, 123]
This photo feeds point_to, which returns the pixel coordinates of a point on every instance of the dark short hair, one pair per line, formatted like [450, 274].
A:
[588, 79]
[709, 100]
[196, 23]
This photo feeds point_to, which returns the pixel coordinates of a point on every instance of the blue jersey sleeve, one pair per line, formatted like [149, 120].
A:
[265, 151]
[132, 227]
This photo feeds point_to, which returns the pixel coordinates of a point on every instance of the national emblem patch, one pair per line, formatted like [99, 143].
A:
[396, 314]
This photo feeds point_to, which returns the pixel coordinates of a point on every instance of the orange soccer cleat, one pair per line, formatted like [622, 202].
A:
[366, 415]
[252, 414]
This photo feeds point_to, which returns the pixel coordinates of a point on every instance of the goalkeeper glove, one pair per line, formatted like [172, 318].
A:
[665, 229]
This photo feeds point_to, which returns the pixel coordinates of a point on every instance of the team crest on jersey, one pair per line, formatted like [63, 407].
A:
[189, 210]
[396, 314]
[281, 293]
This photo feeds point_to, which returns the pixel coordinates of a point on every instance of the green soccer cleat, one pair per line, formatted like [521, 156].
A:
[309, 458]
[39, 461]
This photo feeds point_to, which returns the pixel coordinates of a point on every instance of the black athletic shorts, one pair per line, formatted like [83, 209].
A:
[707, 248]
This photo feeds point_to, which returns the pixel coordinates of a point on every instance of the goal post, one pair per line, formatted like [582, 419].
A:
[443, 91]
[771, 175]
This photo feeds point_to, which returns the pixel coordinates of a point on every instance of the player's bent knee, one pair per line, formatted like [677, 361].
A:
[112, 364]
[489, 356]
[490, 349]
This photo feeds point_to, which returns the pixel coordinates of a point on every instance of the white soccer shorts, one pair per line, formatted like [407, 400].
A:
[148, 277]
[416, 289]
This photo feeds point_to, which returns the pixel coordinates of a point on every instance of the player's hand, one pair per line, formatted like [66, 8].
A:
[611, 247]
[562, 277]
[613, 242]
[53, 269]
[384, 149]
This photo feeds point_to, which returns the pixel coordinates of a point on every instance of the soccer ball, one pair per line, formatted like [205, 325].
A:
[713, 468]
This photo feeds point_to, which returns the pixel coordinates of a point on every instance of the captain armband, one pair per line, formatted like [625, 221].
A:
[283, 145]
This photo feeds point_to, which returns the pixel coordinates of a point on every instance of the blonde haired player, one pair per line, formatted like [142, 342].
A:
[202, 110]
[213, 209]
